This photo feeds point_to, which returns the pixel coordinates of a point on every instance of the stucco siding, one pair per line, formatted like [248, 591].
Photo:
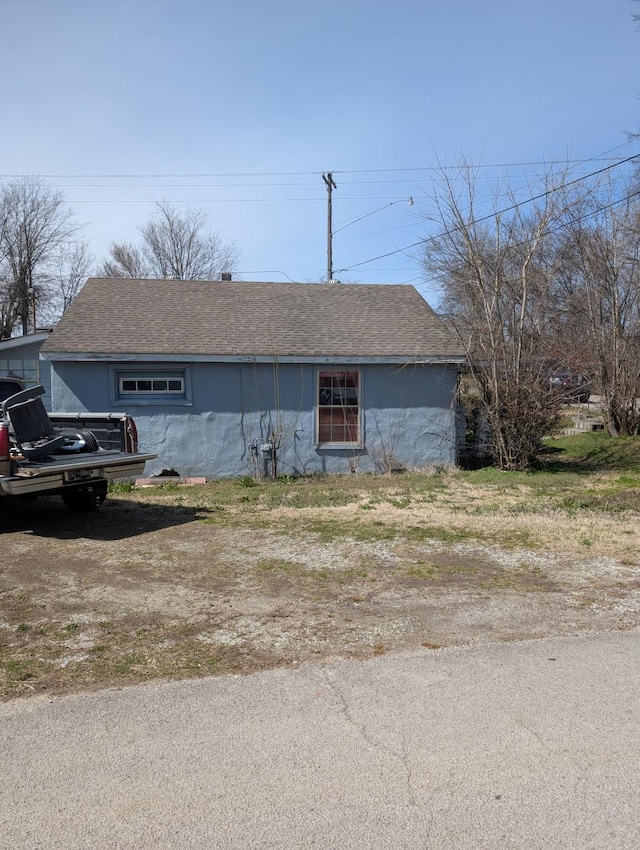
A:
[407, 415]
[20, 358]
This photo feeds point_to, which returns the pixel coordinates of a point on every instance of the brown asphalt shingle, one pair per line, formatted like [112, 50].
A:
[234, 318]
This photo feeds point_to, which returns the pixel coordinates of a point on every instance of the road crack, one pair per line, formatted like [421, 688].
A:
[402, 757]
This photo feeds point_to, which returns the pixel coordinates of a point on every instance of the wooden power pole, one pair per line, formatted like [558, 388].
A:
[330, 184]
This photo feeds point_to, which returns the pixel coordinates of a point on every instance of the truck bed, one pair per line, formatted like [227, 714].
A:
[33, 459]
[59, 471]
[112, 430]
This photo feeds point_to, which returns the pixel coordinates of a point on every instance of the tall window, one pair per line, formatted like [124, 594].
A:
[339, 407]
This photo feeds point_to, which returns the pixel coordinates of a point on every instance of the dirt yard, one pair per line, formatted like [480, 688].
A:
[175, 582]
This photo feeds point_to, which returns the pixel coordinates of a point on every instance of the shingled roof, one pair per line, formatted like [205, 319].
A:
[117, 316]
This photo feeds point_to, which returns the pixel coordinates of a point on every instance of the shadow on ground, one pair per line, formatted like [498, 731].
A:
[115, 520]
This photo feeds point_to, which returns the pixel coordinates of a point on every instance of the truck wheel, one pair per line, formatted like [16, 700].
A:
[86, 498]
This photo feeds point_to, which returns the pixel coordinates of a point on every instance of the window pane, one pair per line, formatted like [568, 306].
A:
[175, 385]
[160, 386]
[351, 429]
[341, 434]
[128, 386]
[324, 415]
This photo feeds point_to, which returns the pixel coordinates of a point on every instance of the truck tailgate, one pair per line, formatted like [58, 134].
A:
[94, 460]
[56, 472]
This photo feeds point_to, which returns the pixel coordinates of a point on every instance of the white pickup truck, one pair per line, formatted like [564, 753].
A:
[73, 455]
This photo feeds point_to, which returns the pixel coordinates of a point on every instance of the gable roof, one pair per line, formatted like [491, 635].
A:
[228, 319]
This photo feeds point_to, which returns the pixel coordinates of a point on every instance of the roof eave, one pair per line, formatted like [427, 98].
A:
[130, 357]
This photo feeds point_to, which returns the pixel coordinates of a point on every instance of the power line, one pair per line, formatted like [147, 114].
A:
[318, 172]
[271, 184]
[230, 174]
[510, 208]
[440, 168]
[443, 276]
[289, 185]
[366, 215]
[227, 200]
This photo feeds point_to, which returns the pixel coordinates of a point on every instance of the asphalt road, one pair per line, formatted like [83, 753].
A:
[523, 745]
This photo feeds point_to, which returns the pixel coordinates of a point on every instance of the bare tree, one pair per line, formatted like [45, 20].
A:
[636, 18]
[67, 273]
[602, 302]
[174, 244]
[496, 269]
[36, 226]
[126, 260]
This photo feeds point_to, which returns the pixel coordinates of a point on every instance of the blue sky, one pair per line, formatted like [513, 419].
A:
[238, 107]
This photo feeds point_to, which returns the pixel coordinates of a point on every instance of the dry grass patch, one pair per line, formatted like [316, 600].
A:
[170, 582]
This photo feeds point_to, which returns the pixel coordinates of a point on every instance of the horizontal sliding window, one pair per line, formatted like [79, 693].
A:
[152, 385]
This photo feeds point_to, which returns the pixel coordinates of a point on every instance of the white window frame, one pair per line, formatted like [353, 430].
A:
[346, 444]
[150, 378]
[122, 372]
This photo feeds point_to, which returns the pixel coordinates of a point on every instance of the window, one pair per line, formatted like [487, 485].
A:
[26, 370]
[151, 385]
[339, 407]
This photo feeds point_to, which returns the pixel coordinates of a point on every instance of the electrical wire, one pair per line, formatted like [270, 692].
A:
[492, 215]
[443, 277]
[317, 173]
[551, 230]
[483, 168]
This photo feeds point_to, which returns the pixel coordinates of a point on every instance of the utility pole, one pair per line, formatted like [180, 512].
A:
[330, 184]
[32, 293]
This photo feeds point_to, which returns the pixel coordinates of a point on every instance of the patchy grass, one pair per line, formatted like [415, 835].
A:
[590, 452]
[52, 660]
[233, 576]
[569, 466]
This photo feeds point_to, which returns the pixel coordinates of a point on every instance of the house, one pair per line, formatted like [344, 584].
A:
[227, 378]
[20, 358]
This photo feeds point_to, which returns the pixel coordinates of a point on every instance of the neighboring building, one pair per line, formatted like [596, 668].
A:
[20, 358]
[218, 374]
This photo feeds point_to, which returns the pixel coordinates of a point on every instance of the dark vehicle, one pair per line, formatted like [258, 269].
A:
[9, 387]
[570, 386]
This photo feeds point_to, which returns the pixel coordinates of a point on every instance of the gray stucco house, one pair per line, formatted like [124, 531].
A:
[20, 358]
[223, 377]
